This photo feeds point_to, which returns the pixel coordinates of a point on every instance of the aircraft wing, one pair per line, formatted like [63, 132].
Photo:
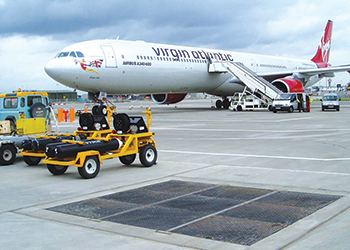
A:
[308, 72]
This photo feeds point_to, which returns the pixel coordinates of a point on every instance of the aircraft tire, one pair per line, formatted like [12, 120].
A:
[95, 110]
[226, 103]
[103, 110]
[218, 104]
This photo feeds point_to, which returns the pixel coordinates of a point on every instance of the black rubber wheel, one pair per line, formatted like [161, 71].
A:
[148, 155]
[127, 159]
[121, 122]
[7, 154]
[291, 109]
[95, 110]
[91, 167]
[226, 103]
[32, 160]
[218, 104]
[86, 121]
[56, 169]
[239, 108]
[38, 110]
[103, 110]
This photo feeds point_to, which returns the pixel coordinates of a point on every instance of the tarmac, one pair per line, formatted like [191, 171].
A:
[282, 152]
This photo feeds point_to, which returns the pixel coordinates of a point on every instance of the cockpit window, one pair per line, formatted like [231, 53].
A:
[63, 54]
[79, 54]
[71, 54]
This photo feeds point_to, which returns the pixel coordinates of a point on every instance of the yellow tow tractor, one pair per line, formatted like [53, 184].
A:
[94, 142]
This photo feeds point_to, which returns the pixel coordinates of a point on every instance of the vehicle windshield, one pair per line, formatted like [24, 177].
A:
[330, 98]
[283, 97]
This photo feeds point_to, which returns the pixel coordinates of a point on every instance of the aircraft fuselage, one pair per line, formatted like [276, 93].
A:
[126, 67]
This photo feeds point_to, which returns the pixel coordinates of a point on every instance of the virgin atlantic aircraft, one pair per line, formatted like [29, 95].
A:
[169, 72]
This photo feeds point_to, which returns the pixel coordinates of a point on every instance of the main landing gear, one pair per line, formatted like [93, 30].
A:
[225, 103]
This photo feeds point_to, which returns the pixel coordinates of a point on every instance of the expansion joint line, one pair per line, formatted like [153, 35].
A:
[159, 202]
[219, 212]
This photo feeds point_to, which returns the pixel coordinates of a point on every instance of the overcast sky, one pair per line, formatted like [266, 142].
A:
[33, 31]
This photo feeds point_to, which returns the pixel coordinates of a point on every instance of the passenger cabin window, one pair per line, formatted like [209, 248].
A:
[32, 100]
[10, 103]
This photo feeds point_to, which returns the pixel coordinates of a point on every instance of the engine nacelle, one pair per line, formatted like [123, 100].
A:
[289, 85]
[168, 98]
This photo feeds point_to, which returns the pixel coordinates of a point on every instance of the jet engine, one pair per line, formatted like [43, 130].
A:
[168, 98]
[288, 85]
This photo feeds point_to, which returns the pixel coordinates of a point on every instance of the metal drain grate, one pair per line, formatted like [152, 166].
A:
[220, 212]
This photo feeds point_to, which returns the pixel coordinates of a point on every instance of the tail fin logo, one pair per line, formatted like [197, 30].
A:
[321, 57]
[325, 47]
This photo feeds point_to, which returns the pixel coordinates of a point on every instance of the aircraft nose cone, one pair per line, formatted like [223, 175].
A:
[52, 70]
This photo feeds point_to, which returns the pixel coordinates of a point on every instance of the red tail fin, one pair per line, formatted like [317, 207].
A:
[322, 55]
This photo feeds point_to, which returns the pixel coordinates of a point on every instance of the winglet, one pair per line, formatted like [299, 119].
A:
[321, 57]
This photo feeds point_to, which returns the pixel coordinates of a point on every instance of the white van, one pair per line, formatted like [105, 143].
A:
[330, 101]
[288, 102]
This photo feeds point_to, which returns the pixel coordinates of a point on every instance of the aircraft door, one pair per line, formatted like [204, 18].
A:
[111, 60]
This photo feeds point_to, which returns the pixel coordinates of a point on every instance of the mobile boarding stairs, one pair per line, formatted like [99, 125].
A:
[257, 86]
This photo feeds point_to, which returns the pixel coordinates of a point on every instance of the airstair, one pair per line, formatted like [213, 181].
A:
[257, 84]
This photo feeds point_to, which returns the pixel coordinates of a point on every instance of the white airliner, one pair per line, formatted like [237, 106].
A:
[169, 72]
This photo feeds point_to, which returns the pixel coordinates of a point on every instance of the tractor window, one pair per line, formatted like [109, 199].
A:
[10, 103]
[22, 102]
[46, 101]
[32, 100]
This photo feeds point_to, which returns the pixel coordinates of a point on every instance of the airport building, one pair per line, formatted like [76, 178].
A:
[62, 96]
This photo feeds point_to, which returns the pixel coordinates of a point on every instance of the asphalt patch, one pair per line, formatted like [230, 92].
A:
[225, 213]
